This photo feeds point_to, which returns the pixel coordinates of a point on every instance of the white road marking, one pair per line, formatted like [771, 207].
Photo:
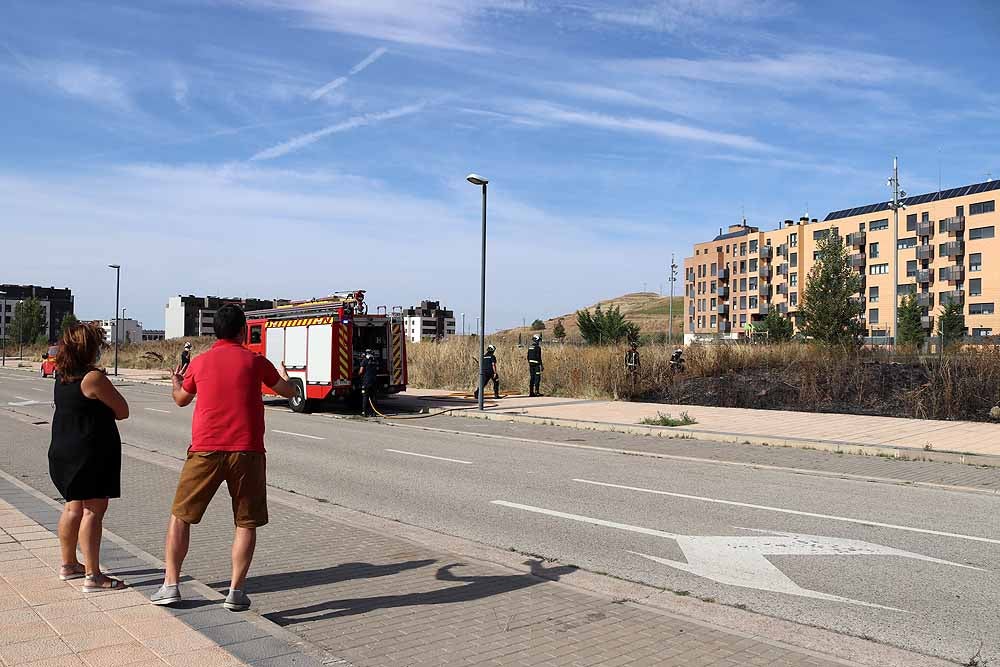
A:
[301, 435]
[741, 561]
[21, 404]
[428, 456]
[783, 510]
[166, 412]
[21, 398]
[36, 389]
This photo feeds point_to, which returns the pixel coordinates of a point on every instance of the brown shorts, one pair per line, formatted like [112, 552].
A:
[203, 473]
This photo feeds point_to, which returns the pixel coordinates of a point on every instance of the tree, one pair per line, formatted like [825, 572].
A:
[28, 324]
[559, 331]
[538, 325]
[909, 331]
[951, 324]
[828, 314]
[603, 327]
[68, 321]
[776, 327]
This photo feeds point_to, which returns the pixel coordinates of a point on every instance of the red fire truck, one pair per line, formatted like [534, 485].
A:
[322, 343]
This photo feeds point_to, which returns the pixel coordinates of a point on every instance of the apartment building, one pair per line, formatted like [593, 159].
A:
[947, 252]
[428, 321]
[194, 315]
[56, 304]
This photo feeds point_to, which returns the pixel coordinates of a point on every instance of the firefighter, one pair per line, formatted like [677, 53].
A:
[490, 372]
[632, 358]
[369, 383]
[185, 357]
[535, 367]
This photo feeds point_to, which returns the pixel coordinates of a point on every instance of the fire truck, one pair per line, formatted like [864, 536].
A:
[322, 344]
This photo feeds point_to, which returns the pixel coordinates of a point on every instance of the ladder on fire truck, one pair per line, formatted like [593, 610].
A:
[352, 302]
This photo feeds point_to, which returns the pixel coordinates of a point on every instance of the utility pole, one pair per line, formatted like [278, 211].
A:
[3, 327]
[897, 196]
[670, 304]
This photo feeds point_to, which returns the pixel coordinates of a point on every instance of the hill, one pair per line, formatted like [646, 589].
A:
[647, 309]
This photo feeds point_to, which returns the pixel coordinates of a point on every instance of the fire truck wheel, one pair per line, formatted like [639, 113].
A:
[298, 403]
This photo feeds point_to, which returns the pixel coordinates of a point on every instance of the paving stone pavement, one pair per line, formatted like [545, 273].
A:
[370, 598]
[48, 622]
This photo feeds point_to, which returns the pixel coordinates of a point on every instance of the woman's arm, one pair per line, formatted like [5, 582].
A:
[96, 385]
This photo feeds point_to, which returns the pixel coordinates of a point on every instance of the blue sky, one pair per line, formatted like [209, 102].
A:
[292, 148]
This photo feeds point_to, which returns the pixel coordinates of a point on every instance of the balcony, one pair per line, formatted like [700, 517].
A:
[783, 250]
[954, 224]
[782, 308]
[925, 299]
[766, 272]
[927, 322]
[691, 310]
[762, 309]
[765, 291]
[858, 300]
[725, 326]
[926, 252]
[954, 249]
[954, 274]
[767, 252]
[783, 289]
[925, 277]
[858, 261]
[925, 228]
[856, 240]
[783, 270]
[956, 296]
[723, 275]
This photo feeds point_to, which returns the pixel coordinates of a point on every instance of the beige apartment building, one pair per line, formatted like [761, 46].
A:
[947, 252]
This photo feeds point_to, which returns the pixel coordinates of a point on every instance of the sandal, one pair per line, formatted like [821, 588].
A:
[70, 572]
[97, 583]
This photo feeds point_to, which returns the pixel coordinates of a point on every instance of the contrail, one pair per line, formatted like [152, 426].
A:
[341, 80]
[356, 121]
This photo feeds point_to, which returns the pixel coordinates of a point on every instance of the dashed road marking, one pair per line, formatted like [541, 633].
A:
[428, 456]
[166, 412]
[300, 435]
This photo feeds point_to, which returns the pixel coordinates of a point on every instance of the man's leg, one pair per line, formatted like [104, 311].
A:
[69, 536]
[244, 543]
[178, 541]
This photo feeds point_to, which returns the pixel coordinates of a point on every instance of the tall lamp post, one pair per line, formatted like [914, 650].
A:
[3, 328]
[118, 282]
[897, 196]
[475, 179]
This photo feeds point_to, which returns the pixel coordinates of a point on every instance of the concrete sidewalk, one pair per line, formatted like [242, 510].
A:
[909, 437]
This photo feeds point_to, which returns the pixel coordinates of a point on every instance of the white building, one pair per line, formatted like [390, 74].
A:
[195, 315]
[129, 330]
[428, 321]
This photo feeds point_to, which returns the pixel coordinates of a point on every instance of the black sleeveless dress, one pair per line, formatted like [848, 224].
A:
[85, 456]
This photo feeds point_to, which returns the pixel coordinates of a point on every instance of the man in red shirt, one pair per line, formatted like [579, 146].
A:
[227, 444]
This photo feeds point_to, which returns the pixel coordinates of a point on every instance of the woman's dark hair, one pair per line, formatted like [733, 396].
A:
[229, 322]
[79, 350]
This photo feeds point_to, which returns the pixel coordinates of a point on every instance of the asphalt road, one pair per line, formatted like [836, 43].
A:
[912, 567]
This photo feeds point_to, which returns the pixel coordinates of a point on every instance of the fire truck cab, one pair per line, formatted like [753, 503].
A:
[322, 344]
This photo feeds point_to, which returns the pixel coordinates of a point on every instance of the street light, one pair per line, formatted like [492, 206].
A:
[118, 281]
[476, 179]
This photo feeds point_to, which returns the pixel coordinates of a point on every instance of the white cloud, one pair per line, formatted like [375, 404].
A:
[362, 120]
[440, 23]
[84, 81]
[662, 129]
[180, 91]
[678, 15]
[341, 80]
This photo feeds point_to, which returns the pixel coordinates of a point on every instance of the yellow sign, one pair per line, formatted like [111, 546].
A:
[303, 322]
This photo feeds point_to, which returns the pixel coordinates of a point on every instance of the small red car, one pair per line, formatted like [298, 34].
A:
[49, 362]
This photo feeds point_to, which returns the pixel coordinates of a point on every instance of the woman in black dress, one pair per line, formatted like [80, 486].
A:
[85, 455]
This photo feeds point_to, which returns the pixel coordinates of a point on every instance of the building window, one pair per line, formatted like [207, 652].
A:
[908, 242]
[712, 287]
[873, 250]
[793, 298]
[878, 269]
[861, 226]
[753, 302]
[980, 309]
[715, 269]
[873, 316]
[743, 284]
[753, 265]
[908, 288]
[815, 255]
[911, 222]
[743, 319]
[793, 258]
[925, 217]
[876, 225]
[714, 321]
[976, 261]
[793, 280]
[911, 268]
[753, 246]
[982, 332]
[793, 240]
[743, 266]
[976, 287]
[873, 295]
[743, 303]
[982, 207]
[981, 233]
[713, 302]
[743, 249]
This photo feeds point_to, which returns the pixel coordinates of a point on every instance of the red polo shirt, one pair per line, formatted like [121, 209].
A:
[229, 412]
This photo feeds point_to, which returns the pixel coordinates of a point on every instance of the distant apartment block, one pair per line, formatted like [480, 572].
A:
[948, 253]
[153, 334]
[56, 303]
[193, 315]
[428, 321]
[129, 330]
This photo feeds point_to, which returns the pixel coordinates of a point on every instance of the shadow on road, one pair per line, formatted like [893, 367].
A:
[471, 588]
[282, 581]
